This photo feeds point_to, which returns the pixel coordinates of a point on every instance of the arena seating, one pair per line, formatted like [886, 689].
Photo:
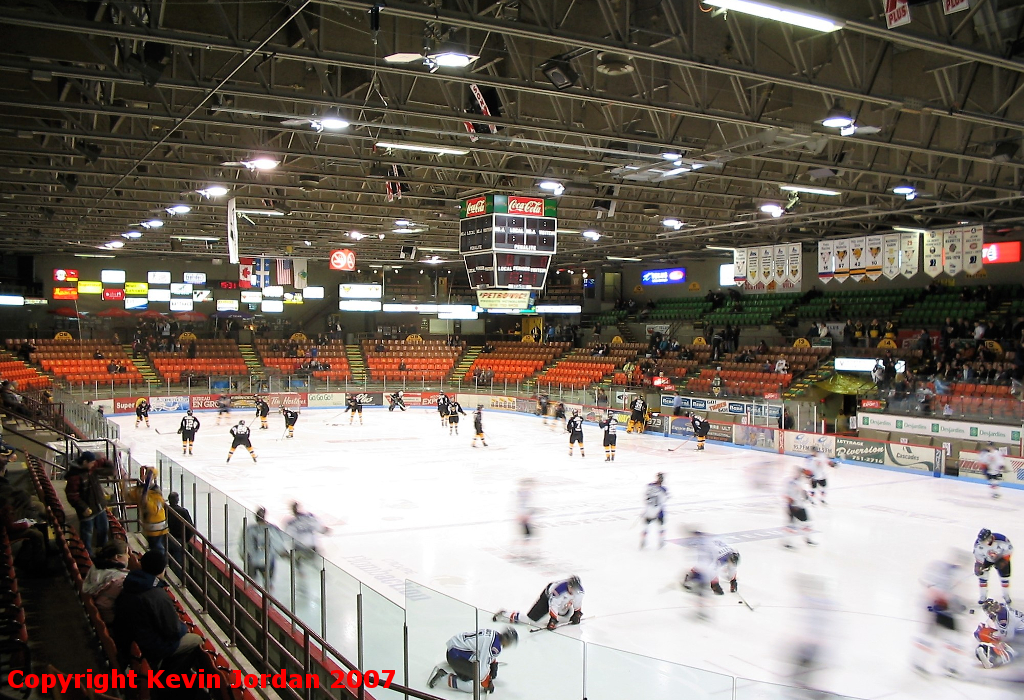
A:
[739, 383]
[933, 309]
[679, 309]
[856, 304]
[513, 361]
[332, 353]
[580, 371]
[25, 378]
[213, 357]
[75, 361]
[428, 360]
[757, 310]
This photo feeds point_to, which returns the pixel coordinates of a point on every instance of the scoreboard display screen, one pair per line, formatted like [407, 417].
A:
[480, 269]
[475, 234]
[521, 271]
[525, 233]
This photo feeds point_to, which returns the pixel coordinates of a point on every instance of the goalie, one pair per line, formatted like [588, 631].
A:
[637, 415]
[1003, 624]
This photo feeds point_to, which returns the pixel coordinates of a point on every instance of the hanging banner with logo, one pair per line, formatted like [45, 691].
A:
[974, 244]
[873, 257]
[826, 261]
[951, 6]
[781, 263]
[858, 258]
[897, 13]
[953, 251]
[232, 233]
[891, 256]
[909, 254]
[739, 267]
[767, 267]
[753, 269]
[795, 273]
[933, 253]
[842, 253]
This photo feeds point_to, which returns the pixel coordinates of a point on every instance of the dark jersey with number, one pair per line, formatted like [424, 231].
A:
[240, 434]
[262, 408]
[478, 421]
[575, 425]
[290, 416]
[189, 424]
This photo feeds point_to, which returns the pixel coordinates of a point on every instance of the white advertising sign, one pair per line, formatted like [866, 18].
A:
[954, 430]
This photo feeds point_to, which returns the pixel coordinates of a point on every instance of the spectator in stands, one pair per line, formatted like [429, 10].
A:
[488, 348]
[889, 330]
[860, 333]
[23, 516]
[762, 348]
[25, 351]
[85, 494]
[979, 332]
[767, 367]
[597, 330]
[145, 614]
[716, 346]
[878, 375]
[964, 328]
[967, 372]
[781, 365]
[874, 332]
[674, 345]
[947, 333]
[602, 398]
[380, 346]
[822, 331]
[849, 334]
[181, 530]
[551, 334]
[947, 410]
[727, 337]
[192, 350]
[834, 311]
[98, 355]
[924, 344]
[106, 578]
[111, 367]
[152, 509]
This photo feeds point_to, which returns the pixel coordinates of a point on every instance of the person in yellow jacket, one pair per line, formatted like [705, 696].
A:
[152, 514]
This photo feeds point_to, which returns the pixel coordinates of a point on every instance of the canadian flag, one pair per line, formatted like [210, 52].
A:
[245, 273]
[897, 13]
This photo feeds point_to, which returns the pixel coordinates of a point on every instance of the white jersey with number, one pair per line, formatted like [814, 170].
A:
[655, 498]
[483, 646]
[999, 549]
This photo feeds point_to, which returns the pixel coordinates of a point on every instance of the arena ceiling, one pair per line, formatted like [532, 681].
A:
[114, 111]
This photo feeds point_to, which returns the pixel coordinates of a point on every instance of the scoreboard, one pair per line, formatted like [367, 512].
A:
[503, 232]
[508, 240]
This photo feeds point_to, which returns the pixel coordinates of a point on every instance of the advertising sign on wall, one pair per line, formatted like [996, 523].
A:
[955, 430]
[806, 443]
[164, 404]
[860, 450]
[326, 398]
[970, 465]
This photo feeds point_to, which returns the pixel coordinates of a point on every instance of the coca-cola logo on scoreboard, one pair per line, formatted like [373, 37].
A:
[527, 206]
[476, 206]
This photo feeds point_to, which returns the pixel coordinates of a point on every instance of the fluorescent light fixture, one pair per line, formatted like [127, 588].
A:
[718, 247]
[458, 316]
[904, 229]
[848, 130]
[676, 171]
[259, 212]
[11, 300]
[196, 238]
[179, 209]
[356, 236]
[402, 57]
[403, 223]
[90, 255]
[423, 148]
[132, 235]
[774, 209]
[552, 186]
[358, 305]
[261, 163]
[592, 235]
[440, 250]
[904, 188]
[837, 119]
[331, 123]
[810, 190]
[112, 276]
[114, 244]
[410, 308]
[779, 13]
[313, 293]
[407, 230]
[213, 191]
[433, 260]
[152, 223]
[272, 306]
[615, 258]
[559, 309]
[452, 59]
[672, 223]
[671, 155]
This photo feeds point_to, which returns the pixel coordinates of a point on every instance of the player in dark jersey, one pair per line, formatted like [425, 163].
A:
[559, 414]
[454, 409]
[542, 407]
[262, 411]
[701, 428]
[142, 412]
[223, 407]
[442, 408]
[353, 406]
[609, 425]
[397, 400]
[478, 425]
[637, 415]
[575, 429]
[188, 429]
[240, 438]
[290, 417]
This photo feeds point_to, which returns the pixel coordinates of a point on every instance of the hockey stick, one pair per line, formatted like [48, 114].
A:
[159, 432]
[673, 449]
[549, 629]
[744, 601]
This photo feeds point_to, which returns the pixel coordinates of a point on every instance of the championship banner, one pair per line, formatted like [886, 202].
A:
[739, 267]
[826, 261]
[932, 253]
[795, 275]
[767, 267]
[753, 269]
[909, 254]
[974, 244]
[842, 254]
[953, 251]
[873, 265]
[891, 256]
[858, 257]
[781, 265]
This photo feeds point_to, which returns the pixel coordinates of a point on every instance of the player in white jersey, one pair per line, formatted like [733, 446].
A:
[992, 551]
[524, 516]
[995, 465]
[820, 463]
[1003, 624]
[562, 601]
[727, 561]
[655, 497]
[796, 507]
[471, 656]
[940, 639]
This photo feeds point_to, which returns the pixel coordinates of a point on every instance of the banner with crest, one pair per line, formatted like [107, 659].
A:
[858, 258]
[753, 269]
[891, 256]
[909, 254]
[973, 244]
[842, 254]
[932, 253]
[739, 267]
[826, 261]
[873, 257]
[767, 256]
[953, 251]
[795, 274]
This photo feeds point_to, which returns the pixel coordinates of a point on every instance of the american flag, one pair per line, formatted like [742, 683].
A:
[284, 271]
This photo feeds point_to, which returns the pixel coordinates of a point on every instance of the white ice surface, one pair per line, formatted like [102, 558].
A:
[407, 501]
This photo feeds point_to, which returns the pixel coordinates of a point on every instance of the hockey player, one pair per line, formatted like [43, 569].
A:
[1003, 624]
[575, 429]
[442, 408]
[820, 463]
[716, 561]
[353, 407]
[655, 497]
[796, 507]
[637, 415]
[542, 407]
[940, 638]
[290, 417]
[305, 529]
[698, 578]
[561, 600]
[524, 515]
[559, 415]
[727, 561]
[223, 407]
[992, 550]
[396, 400]
[469, 653]
[188, 429]
[240, 438]
[701, 428]
[262, 411]
[454, 409]
[478, 425]
[609, 425]
[142, 412]
[995, 465]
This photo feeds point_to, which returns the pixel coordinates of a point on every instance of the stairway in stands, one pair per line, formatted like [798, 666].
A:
[465, 362]
[142, 364]
[820, 373]
[356, 363]
[252, 361]
[626, 332]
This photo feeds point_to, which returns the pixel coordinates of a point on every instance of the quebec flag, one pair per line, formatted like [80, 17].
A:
[261, 272]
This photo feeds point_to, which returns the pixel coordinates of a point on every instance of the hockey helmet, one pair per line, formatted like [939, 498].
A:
[992, 607]
[734, 558]
[188, 412]
[984, 534]
[660, 477]
[574, 583]
[479, 407]
[241, 422]
[509, 637]
[575, 411]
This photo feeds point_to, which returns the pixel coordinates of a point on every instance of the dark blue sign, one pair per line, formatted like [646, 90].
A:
[675, 275]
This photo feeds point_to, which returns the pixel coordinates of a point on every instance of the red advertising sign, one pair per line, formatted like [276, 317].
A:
[526, 206]
[203, 401]
[870, 403]
[771, 395]
[113, 295]
[343, 259]
[65, 292]
[65, 275]
[1008, 252]
[125, 404]
[476, 206]
[897, 13]
[417, 398]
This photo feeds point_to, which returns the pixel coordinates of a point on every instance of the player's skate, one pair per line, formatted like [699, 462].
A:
[436, 675]
[716, 587]
[502, 614]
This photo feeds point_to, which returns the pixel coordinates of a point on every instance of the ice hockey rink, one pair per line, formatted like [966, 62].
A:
[407, 501]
